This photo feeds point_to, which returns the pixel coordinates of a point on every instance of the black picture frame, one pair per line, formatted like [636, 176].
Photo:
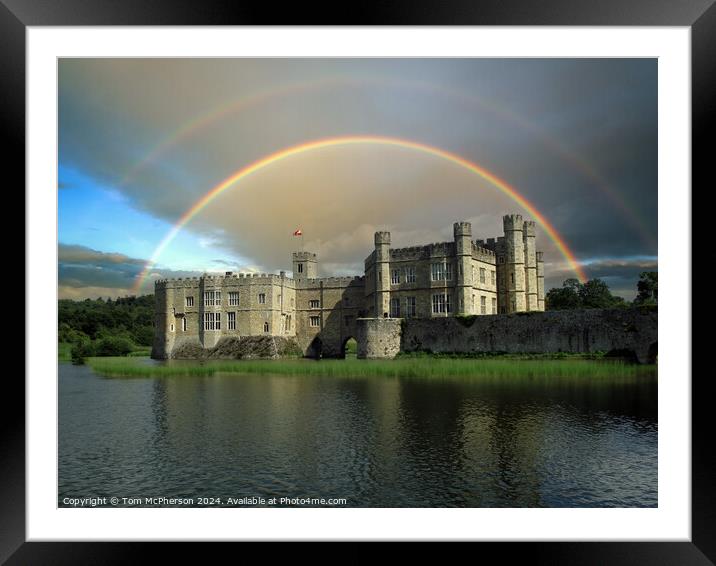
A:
[699, 15]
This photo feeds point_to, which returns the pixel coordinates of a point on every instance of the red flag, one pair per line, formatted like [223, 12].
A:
[298, 233]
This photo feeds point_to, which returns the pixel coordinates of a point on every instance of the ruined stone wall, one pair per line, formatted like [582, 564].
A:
[579, 331]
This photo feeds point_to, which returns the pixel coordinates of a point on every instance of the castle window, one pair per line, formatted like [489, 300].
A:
[500, 259]
[314, 304]
[315, 320]
[231, 320]
[441, 303]
[233, 298]
[395, 307]
[395, 277]
[482, 275]
[494, 305]
[211, 298]
[266, 326]
[492, 277]
[441, 271]
[262, 298]
[483, 305]
[212, 321]
[409, 306]
[514, 306]
[410, 275]
[171, 328]
[190, 301]
[288, 322]
[183, 324]
[512, 277]
[300, 268]
[437, 271]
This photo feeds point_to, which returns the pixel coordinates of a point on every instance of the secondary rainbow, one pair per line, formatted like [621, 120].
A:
[355, 140]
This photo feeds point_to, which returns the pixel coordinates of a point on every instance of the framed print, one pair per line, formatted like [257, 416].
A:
[360, 282]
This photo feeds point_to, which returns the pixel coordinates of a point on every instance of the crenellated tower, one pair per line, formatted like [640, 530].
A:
[382, 273]
[305, 265]
[540, 281]
[531, 291]
[513, 226]
[164, 319]
[462, 232]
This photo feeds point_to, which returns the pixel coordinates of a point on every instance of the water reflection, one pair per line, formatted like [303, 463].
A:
[384, 442]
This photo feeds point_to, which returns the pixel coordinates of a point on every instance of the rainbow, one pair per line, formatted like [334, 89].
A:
[235, 106]
[315, 145]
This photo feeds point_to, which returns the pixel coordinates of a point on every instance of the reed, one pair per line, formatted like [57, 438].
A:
[403, 367]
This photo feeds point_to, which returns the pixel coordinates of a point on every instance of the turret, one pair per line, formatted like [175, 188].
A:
[382, 273]
[305, 265]
[462, 232]
[164, 320]
[540, 281]
[528, 237]
[514, 262]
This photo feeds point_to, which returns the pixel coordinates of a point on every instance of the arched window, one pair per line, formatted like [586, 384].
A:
[266, 326]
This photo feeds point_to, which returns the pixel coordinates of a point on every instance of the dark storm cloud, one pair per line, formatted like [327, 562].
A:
[575, 137]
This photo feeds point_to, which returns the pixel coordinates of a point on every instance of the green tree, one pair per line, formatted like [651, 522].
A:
[113, 346]
[595, 294]
[565, 298]
[647, 288]
[82, 350]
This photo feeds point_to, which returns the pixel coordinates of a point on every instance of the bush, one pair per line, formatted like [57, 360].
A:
[113, 346]
[81, 350]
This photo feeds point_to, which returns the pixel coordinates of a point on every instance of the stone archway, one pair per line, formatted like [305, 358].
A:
[349, 347]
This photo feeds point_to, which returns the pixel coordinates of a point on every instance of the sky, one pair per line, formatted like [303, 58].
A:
[141, 141]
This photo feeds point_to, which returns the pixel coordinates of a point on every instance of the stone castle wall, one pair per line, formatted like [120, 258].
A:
[581, 331]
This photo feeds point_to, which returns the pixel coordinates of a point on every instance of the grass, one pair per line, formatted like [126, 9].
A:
[404, 367]
[140, 352]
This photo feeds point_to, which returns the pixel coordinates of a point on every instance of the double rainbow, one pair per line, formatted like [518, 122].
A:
[315, 145]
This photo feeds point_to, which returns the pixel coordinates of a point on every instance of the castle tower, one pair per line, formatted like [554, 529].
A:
[540, 281]
[531, 294]
[164, 320]
[305, 265]
[514, 263]
[382, 273]
[462, 232]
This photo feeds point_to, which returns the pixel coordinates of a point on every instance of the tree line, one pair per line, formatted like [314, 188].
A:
[99, 327]
[595, 294]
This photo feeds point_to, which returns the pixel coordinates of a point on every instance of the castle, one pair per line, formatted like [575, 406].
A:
[461, 277]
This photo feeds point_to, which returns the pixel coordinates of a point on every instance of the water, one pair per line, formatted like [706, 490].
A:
[377, 442]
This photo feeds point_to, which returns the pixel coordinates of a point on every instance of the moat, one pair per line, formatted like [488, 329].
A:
[375, 441]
